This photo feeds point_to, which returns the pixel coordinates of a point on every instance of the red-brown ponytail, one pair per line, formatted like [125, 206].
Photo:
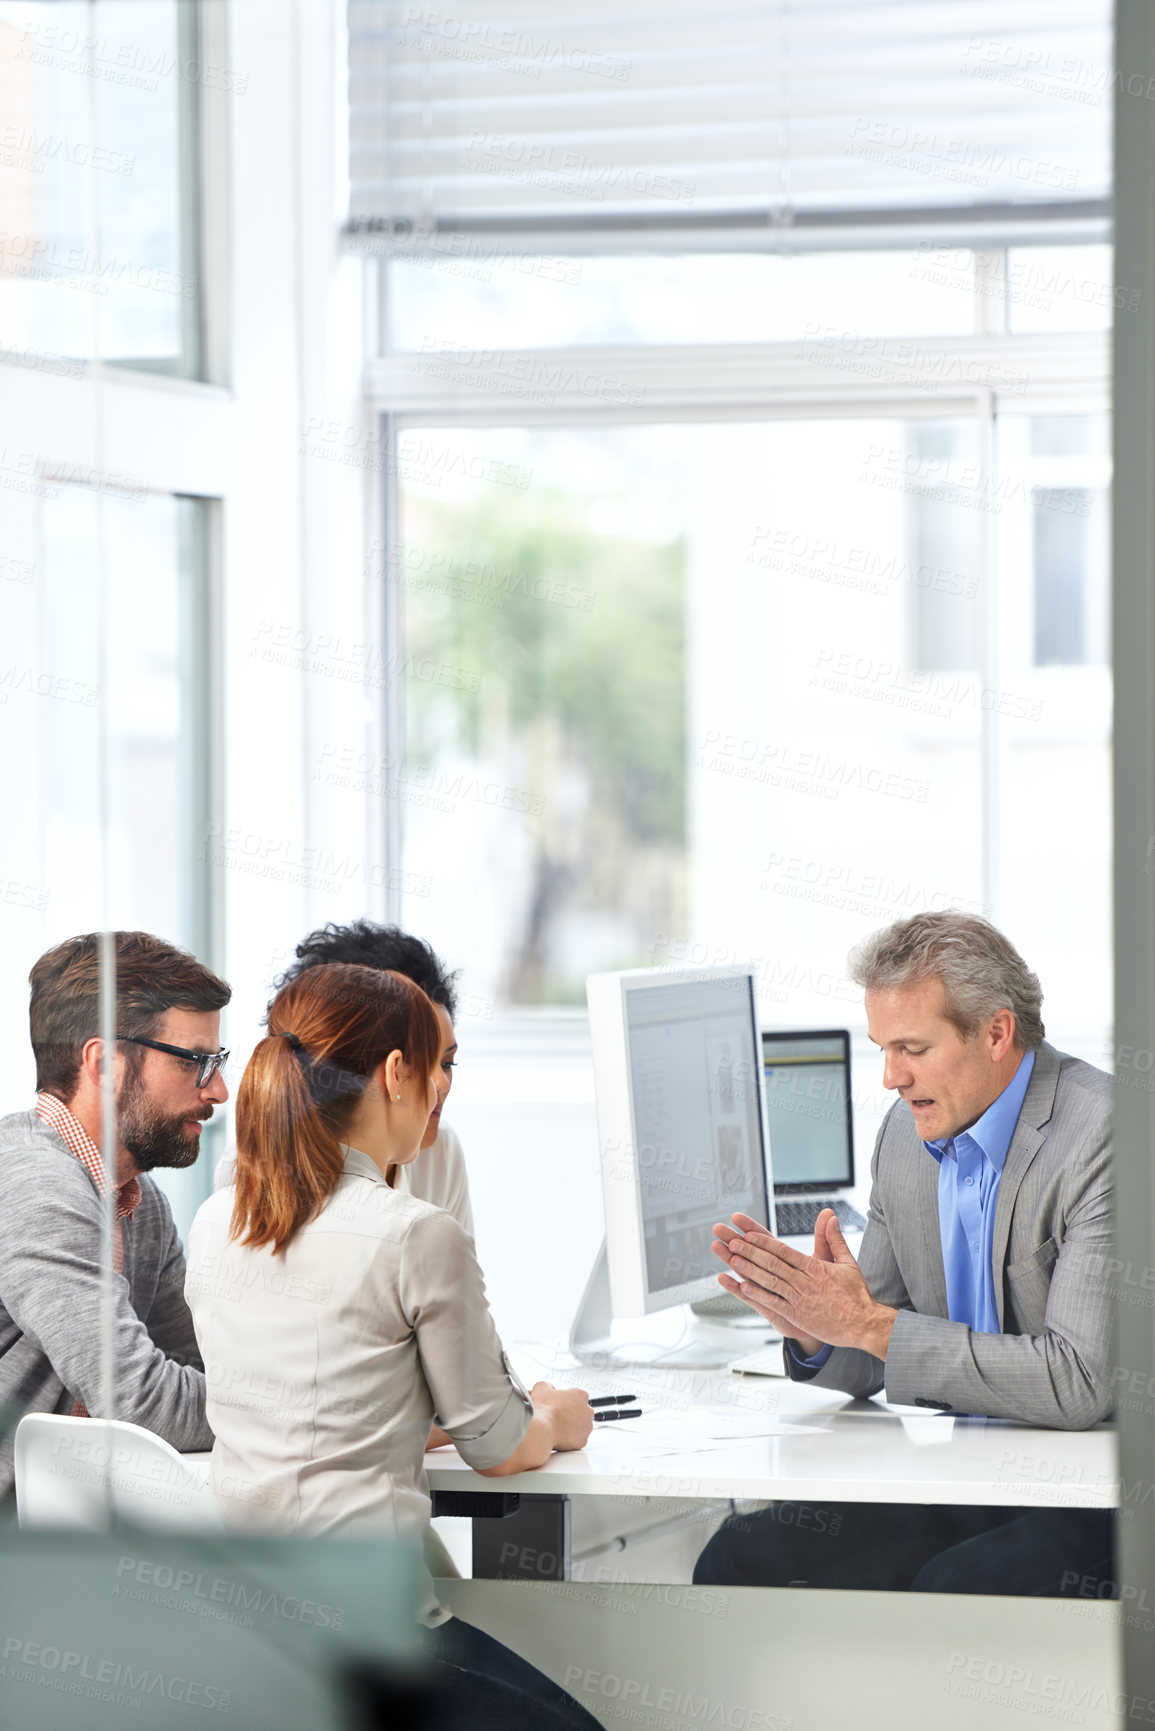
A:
[297, 1096]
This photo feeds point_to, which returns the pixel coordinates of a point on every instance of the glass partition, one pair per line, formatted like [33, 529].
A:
[154, 1627]
[737, 661]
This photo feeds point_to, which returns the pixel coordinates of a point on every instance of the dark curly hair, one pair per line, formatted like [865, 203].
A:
[364, 944]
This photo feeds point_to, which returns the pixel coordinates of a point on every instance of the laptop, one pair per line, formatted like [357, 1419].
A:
[808, 1110]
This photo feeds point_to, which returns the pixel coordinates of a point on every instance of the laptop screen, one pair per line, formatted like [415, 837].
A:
[808, 1109]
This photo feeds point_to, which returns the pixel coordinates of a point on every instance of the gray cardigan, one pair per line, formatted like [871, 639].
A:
[50, 1230]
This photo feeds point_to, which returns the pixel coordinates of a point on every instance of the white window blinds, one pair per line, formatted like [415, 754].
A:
[531, 117]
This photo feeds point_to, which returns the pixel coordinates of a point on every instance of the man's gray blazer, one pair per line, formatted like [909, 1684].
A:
[50, 1232]
[1052, 1364]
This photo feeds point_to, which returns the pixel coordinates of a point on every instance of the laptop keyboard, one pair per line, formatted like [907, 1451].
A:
[796, 1219]
[724, 1304]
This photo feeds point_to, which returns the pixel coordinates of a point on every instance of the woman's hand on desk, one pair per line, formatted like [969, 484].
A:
[571, 1412]
[562, 1419]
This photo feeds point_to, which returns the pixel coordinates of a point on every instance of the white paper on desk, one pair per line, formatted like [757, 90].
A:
[670, 1431]
[629, 1437]
[726, 1425]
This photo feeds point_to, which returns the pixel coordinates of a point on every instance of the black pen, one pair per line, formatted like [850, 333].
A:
[619, 1412]
[612, 1399]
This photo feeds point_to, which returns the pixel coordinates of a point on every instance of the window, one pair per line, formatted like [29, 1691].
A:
[99, 182]
[695, 691]
[544, 788]
[1062, 288]
[153, 550]
[466, 291]
[870, 546]
[1070, 533]
[946, 491]
[1070, 576]
[159, 790]
[653, 687]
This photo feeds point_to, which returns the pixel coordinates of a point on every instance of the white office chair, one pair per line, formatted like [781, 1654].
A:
[69, 1471]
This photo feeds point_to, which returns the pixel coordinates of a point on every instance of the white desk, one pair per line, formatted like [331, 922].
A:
[679, 1656]
[831, 1448]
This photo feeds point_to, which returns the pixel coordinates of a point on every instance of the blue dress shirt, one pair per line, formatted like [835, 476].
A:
[970, 1166]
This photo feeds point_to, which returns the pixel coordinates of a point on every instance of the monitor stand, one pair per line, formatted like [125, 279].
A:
[675, 1336]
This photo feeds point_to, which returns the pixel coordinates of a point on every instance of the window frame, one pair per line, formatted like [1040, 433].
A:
[1028, 374]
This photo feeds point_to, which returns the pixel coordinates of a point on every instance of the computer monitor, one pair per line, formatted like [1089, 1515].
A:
[806, 1077]
[677, 1073]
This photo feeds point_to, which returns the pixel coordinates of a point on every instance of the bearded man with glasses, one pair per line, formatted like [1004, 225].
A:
[166, 1070]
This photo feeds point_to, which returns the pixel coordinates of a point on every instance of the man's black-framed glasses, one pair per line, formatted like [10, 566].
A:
[208, 1063]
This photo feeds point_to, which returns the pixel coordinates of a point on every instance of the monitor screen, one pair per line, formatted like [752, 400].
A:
[697, 1119]
[807, 1083]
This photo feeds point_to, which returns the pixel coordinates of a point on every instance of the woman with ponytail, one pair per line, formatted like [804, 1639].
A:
[336, 1314]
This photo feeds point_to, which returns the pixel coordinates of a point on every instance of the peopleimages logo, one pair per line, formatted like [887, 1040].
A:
[74, 1673]
[234, 1595]
[1040, 1692]
[42, 257]
[505, 45]
[120, 61]
[634, 1693]
[23, 147]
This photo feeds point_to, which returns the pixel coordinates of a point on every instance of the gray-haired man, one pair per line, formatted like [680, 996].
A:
[980, 1287]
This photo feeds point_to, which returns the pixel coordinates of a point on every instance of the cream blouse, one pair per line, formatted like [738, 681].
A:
[326, 1364]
